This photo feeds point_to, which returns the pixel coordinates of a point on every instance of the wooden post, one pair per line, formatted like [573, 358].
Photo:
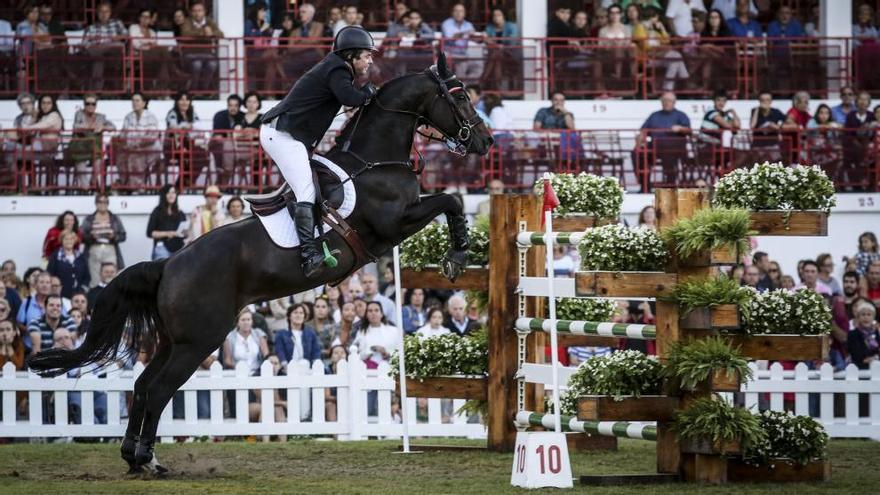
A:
[535, 306]
[506, 211]
[672, 204]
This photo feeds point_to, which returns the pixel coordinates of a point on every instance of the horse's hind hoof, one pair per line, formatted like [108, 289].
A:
[158, 470]
[153, 465]
[134, 469]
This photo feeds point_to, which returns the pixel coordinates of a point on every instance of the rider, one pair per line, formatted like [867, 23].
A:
[293, 128]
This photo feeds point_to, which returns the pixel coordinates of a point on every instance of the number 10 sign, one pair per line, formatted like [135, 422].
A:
[541, 460]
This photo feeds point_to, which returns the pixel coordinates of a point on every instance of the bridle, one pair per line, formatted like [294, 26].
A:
[465, 124]
[455, 144]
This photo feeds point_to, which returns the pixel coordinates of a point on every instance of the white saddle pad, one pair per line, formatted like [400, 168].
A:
[282, 229]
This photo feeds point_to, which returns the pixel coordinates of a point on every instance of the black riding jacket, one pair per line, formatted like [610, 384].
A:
[311, 105]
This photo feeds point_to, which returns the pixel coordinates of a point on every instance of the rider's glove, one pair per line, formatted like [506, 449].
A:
[371, 91]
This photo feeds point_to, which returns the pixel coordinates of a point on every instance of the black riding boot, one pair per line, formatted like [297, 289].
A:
[304, 216]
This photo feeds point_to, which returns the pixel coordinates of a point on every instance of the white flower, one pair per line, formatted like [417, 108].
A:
[617, 248]
[586, 194]
[768, 186]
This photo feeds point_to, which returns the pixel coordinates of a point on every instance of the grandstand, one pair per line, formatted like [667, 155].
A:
[608, 107]
[610, 90]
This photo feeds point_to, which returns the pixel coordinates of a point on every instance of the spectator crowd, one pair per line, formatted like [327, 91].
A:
[50, 305]
[683, 42]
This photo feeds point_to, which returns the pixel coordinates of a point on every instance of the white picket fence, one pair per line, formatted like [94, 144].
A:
[306, 387]
[822, 385]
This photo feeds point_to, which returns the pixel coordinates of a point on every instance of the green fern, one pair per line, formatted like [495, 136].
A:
[710, 292]
[710, 229]
[711, 418]
[692, 363]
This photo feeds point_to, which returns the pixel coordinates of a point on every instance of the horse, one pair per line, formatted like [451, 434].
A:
[184, 306]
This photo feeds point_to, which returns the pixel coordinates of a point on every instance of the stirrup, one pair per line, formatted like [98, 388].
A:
[330, 256]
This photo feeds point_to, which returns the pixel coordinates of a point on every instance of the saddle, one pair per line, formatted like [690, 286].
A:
[329, 197]
[328, 188]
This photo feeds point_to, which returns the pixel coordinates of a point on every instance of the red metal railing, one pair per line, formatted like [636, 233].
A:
[512, 67]
[203, 68]
[132, 162]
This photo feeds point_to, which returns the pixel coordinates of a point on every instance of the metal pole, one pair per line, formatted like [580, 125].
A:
[401, 362]
[554, 348]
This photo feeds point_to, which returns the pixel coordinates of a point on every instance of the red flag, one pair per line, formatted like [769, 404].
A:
[550, 199]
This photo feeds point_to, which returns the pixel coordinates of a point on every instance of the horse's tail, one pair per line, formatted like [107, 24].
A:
[130, 297]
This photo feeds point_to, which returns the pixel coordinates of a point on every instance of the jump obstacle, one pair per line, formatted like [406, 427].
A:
[517, 292]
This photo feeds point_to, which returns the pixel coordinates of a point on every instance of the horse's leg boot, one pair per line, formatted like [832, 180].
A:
[145, 456]
[304, 216]
[128, 448]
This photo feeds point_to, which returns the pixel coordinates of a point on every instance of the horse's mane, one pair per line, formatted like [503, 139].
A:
[348, 128]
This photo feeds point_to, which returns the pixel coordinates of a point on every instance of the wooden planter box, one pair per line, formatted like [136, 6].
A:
[723, 317]
[774, 347]
[644, 408]
[573, 222]
[473, 278]
[724, 255]
[624, 284]
[721, 381]
[706, 461]
[779, 472]
[447, 387]
[704, 468]
[707, 447]
[804, 222]
[782, 347]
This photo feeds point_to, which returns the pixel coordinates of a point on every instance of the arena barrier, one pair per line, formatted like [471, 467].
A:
[218, 403]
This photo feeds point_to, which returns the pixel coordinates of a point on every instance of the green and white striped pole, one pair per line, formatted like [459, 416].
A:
[578, 327]
[621, 429]
[529, 239]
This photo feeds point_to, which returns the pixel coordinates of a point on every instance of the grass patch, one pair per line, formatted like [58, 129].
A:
[310, 467]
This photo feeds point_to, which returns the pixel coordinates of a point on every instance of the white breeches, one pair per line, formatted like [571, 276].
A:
[292, 159]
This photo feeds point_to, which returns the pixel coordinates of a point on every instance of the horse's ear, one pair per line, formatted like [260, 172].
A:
[442, 68]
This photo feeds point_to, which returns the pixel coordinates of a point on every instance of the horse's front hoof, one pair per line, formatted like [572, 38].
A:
[453, 264]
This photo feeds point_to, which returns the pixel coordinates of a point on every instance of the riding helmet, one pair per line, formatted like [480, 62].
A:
[353, 37]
